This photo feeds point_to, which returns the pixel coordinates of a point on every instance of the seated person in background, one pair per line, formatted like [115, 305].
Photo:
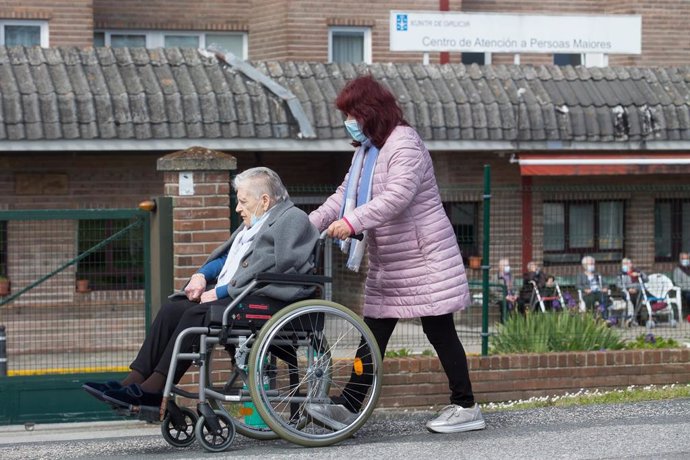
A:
[275, 237]
[681, 278]
[589, 282]
[506, 277]
[628, 280]
[535, 274]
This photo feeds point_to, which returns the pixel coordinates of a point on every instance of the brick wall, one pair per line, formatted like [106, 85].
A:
[298, 30]
[420, 381]
[171, 14]
[291, 30]
[201, 222]
[70, 22]
[78, 180]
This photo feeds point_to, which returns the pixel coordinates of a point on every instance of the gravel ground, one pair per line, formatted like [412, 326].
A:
[659, 429]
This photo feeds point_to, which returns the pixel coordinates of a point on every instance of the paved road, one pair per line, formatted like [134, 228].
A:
[637, 430]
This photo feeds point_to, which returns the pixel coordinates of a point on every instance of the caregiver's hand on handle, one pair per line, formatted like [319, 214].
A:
[339, 230]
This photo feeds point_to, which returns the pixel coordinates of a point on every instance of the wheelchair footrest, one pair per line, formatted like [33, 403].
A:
[149, 413]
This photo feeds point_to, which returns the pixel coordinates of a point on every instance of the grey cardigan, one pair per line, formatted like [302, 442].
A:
[284, 244]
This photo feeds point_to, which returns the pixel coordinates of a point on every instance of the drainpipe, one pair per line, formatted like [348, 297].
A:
[444, 5]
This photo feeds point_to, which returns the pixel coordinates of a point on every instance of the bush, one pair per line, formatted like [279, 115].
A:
[553, 331]
[649, 340]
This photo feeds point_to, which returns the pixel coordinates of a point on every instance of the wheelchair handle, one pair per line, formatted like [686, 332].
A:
[359, 236]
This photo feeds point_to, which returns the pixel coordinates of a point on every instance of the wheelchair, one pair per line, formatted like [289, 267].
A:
[284, 358]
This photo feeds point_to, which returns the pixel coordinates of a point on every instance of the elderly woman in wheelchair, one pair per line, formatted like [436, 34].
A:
[241, 299]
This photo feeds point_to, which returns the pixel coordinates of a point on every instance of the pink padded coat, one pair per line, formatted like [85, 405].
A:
[415, 267]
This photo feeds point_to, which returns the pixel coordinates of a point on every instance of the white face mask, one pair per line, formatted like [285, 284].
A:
[506, 269]
[685, 262]
[625, 268]
[590, 268]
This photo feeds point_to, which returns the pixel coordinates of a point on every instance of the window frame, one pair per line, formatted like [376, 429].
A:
[580, 252]
[487, 57]
[366, 31]
[581, 56]
[676, 227]
[475, 246]
[156, 38]
[45, 42]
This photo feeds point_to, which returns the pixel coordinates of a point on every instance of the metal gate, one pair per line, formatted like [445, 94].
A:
[77, 309]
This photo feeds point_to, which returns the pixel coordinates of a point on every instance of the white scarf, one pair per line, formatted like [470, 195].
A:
[240, 246]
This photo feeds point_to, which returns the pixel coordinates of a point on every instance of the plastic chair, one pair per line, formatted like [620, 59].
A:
[660, 296]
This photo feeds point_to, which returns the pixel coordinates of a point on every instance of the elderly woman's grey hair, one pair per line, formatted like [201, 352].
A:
[265, 181]
[586, 260]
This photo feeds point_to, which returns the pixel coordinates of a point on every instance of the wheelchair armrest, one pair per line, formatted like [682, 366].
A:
[291, 278]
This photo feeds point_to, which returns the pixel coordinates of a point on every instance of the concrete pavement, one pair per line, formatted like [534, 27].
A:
[658, 429]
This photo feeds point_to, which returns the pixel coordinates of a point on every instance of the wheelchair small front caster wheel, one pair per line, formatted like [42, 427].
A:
[215, 441]
[180, 434]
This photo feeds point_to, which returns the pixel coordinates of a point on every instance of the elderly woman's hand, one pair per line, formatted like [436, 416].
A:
[209, 296]
[196, 287]
[339, 230]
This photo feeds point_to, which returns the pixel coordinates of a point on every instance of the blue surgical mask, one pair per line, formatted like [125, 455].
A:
[625, 269]
[685, 262]
[355, 131]
[254, 219]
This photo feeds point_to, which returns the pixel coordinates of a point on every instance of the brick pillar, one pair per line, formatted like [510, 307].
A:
[198, 180]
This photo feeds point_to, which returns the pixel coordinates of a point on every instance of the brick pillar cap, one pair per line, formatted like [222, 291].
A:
[197, 159]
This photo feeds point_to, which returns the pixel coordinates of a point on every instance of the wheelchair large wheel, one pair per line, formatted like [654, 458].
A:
[179, 434]
[327, 356]
[244, 415]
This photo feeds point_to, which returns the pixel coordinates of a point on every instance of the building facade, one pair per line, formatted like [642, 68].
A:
[289, 30]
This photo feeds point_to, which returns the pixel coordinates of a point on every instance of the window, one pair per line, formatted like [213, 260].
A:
[475, 58]
[24, 33]
[117, 265]
[233, 42]
[349, 44]
[464, 219]
[671, 229]
[575, 229]
[567, 59]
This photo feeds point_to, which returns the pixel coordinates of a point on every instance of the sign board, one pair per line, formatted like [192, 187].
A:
[515, 33]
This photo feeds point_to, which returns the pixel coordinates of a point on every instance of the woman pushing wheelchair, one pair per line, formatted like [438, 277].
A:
[275, 237]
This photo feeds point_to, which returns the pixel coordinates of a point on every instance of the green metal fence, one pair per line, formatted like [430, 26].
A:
[554, 222]
[77, 309]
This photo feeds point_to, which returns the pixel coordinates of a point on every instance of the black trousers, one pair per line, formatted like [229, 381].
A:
[171, 320]
[440, 330]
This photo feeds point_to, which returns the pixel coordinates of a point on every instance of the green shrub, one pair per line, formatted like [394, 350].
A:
[649, 340]
[544, 332]
[402, 353]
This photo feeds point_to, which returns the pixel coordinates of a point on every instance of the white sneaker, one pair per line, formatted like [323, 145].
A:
[334, 416]
[454, 419]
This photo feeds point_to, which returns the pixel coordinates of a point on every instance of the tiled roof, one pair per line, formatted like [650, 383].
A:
[139, 94]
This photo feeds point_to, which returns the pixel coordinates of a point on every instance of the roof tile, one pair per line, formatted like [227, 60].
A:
[103, 93]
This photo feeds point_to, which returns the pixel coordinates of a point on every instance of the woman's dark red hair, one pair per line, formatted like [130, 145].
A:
[373, 106]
